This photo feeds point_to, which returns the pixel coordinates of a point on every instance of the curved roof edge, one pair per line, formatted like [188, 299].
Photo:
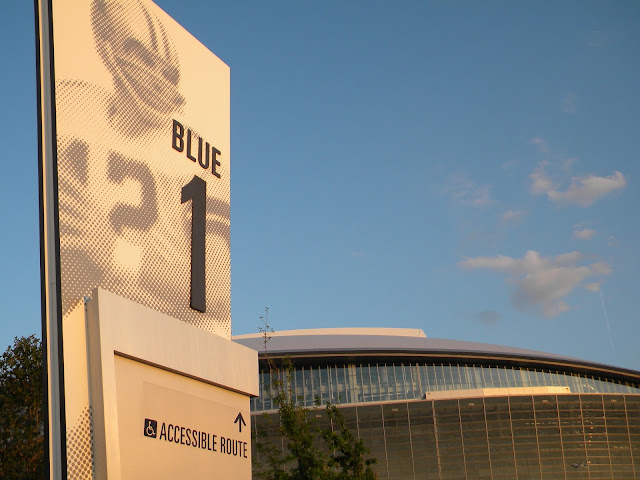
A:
[297, 343]
[387, 332]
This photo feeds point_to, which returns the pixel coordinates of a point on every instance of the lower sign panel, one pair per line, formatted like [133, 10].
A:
[165, 399]
[170, 425]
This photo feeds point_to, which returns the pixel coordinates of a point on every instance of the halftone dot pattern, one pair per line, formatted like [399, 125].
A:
[122, 224]
[144, 66]
[80, 460]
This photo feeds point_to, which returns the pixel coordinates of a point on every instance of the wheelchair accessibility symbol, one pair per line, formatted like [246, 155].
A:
[150, 428]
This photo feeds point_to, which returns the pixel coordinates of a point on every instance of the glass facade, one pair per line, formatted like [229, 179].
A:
[379, 382]
[567, 436]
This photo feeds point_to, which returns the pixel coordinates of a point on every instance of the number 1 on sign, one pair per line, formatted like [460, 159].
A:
[196, 191]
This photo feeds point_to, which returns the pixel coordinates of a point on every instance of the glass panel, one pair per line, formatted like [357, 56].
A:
[431, 376]
[475, 374]
[298, 383]
[392, 383]
[375, 382]
[383, 371]
[399, 387]
[366, 383]
[442, 384]
[424, 379]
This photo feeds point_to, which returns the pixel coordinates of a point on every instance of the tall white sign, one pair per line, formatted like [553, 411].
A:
[135, 171]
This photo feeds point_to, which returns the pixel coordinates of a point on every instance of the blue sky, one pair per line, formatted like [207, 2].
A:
[468, 168]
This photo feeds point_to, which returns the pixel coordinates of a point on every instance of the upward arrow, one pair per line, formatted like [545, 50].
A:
[240, 421]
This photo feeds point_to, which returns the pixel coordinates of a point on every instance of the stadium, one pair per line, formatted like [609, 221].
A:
[445, 409]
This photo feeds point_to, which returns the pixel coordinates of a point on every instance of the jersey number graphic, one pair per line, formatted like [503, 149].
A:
[196, 191]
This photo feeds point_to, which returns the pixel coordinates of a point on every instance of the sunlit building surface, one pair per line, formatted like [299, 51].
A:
[442, 409]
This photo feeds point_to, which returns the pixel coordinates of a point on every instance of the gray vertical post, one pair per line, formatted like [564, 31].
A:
[50, 247]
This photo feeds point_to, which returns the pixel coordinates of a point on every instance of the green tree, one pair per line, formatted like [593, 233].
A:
[301, 459]
[347, 460]
[308, 450]
[21, 420]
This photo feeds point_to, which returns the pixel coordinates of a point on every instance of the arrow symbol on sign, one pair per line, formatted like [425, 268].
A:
[240, 421]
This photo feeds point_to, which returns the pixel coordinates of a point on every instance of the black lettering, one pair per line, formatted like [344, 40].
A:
[196, 190]
[202, 437]
[163, 431]
[178, 136]
[204, 160]
[181, 435]
[200, 150]
[235, 448]
[189, 156]
[244, 449]
[214, 443]
[188, 437]
[222, 445]
[214, 161]
[170, 433]
[207, 148]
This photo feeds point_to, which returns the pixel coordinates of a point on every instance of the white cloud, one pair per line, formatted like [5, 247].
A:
[592, 287]
[541, 282]
[543, 146]
[584, 234]
[513, 215]
[540, 181]
[465, 191]
[569, 102]
[582, 191]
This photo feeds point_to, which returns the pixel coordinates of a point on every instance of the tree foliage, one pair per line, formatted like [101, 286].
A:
[21, 420]
[309, 451]
[347, 460]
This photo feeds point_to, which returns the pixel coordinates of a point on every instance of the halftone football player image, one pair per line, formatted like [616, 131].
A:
[144, 65]
[123, 224]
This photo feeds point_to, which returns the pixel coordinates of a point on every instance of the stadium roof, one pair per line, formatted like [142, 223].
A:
[351, 343]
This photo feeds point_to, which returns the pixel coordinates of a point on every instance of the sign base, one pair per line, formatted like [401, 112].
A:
[153, 397]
